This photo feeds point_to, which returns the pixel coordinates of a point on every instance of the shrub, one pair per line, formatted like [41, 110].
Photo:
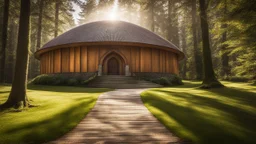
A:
[237, 79]
[43, 80]
[162, 81]
[72, 82]
[165, 79]
[62, 79]
[175, 80]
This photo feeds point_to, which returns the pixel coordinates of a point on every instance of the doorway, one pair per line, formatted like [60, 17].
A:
[113, 66]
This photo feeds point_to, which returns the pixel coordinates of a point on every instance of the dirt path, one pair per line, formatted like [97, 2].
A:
[119, 117]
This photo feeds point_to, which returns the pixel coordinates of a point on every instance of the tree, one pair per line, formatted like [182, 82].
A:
[197, 55]
[18, 97]
[242, 42]
[4, 40]
[57, 9]
[224, 53]
[173, 30]
[209, 79]
[39, 24]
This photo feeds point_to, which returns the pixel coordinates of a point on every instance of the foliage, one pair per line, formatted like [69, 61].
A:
[237, 79]
[168, 81]
[164, 79]
[223, 116]
[231, 25]
[58, 110]
[62, 79]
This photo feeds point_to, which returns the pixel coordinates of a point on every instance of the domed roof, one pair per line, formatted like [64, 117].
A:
[110, 31]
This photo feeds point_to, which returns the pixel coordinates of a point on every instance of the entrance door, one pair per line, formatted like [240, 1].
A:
[113, 66]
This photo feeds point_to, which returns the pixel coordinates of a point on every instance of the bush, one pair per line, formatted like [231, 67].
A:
[162, 81]
[175, 80]
[237, 79]
[43, 80]
[72, 82]
[165, 79]
[61, 79]
[168, 81]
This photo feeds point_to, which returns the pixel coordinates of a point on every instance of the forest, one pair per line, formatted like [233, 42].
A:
[210, 100]
[232, 30]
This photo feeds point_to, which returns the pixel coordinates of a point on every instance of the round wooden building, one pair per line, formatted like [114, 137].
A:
[109, 48]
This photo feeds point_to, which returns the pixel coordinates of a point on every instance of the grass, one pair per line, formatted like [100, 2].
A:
[59, 110]
[216, 116]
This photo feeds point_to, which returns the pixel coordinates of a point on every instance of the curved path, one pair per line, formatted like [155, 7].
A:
[119, 117]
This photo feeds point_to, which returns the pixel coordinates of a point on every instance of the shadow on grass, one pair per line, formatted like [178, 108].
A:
[67, 89]
[55, 126]
[3, 92]
[215, 121]
[189, 84]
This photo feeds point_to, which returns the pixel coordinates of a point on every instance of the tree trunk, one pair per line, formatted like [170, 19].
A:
[225, 71]
[152, 17]
[170, 33]
[209, 80]
[57, 8]
[197, 57]
[4, 40]
[184, 46]
[17, 97]
[173, 32]
[39, 28]
[12, 43]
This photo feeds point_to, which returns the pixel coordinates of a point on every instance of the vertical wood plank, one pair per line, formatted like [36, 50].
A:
[84, 59]
[92, 53]
[167, 62]
[155, 60]
[57, 61]
[72, 59]
[77, 59]
[65, 60]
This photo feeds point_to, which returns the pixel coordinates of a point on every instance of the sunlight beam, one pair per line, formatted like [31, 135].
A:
[113, 15]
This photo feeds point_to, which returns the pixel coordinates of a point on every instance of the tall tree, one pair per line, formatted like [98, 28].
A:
[209, 79]
[197, 56]
[4, 40]
[39, 24]
[18, 97]
[173, 30]
[57, 9]
[224, 53]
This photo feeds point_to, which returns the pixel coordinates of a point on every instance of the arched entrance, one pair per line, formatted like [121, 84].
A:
[113, 63]
[113, 66]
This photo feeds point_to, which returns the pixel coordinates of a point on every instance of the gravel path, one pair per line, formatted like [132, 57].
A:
[119, 117]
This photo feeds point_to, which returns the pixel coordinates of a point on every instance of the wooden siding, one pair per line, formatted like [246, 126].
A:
[155, 60]
[77, 59]
[84, 59]
[65, 60]
[87, 59]
[92, 59]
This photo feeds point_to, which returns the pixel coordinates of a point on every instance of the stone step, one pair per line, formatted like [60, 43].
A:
[120, 82]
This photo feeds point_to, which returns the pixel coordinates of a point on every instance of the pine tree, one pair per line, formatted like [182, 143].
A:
[18, 97]
[209, 80]
[4, 40]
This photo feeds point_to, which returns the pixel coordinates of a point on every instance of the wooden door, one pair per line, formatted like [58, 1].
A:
[113, 66]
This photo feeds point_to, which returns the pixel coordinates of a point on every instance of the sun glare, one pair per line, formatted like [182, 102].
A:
[113, 14]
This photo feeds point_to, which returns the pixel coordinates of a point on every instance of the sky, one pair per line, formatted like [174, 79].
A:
[76, 13]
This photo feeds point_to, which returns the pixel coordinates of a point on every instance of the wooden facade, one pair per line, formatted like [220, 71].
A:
[88, 59]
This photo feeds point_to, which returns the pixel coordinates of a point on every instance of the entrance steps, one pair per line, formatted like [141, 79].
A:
[121, 82]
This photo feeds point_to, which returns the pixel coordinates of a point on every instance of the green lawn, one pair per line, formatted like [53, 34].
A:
[216, 116]
[59, 110]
